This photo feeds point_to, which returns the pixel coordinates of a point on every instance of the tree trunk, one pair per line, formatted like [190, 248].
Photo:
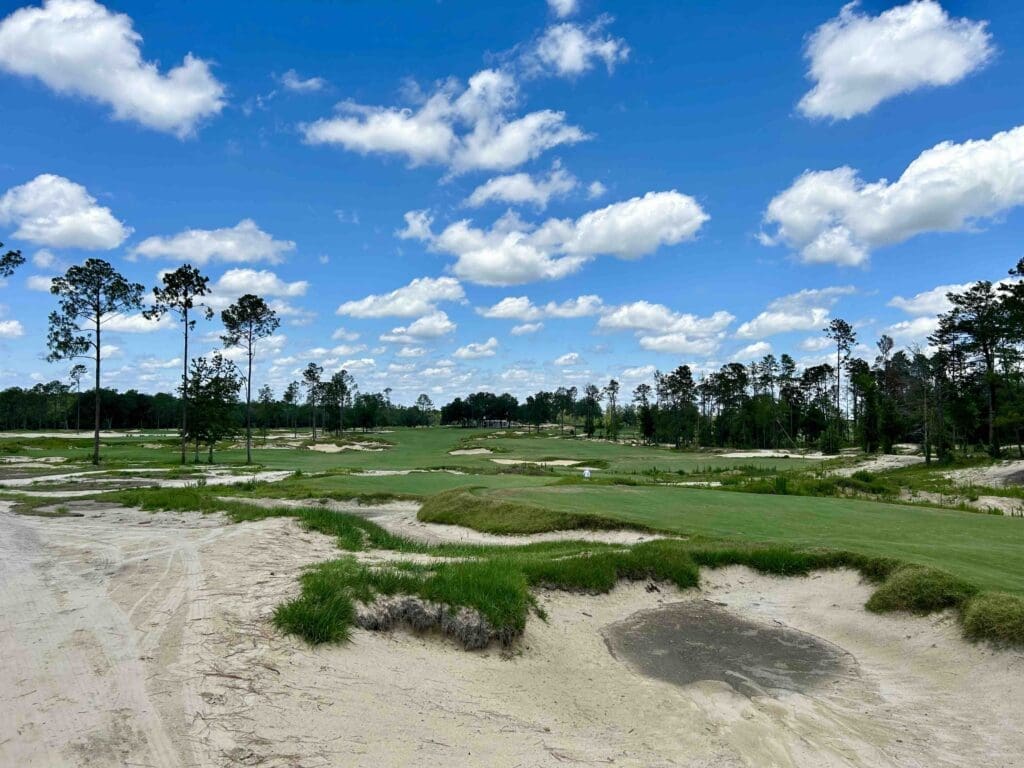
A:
[248, 406]
[184, 395]
[96, 421]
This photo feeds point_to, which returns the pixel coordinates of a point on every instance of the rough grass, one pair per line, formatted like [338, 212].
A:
[465, 508]
[486, 594]
[920, 590]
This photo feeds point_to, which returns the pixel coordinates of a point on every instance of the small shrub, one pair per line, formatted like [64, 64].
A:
[920, 590]
[995, 617]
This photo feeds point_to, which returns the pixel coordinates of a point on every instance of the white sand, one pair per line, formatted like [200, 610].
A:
[137, 639]
[470, 452]
[772, 454]
[552, 463]
[881, 463]
[994, 476]
[332, 448]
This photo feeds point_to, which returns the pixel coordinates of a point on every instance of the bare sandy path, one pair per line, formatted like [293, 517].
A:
[138, 639]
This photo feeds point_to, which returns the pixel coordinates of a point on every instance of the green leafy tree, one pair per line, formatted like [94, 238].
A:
[266, 401]
[424, 408]
[10, 261]
[291, 399]
[246, 322]
[77, 373]
[181, 295]
[89, 295]
[213, 386]
[340, 390]
[311, 380]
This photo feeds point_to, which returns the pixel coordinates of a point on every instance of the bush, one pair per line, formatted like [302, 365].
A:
[920, 590]
[995, 617]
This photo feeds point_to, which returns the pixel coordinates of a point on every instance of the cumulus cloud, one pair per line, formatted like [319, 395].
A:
[596, 189]
[563, 8]
[420, 297]
[525, 329]
[11, 329]
[931, 302]
[857, 61]
[522, 188]
[568, 360]
[411, 352]
[432, 326]
[43, 259]
[244, 242]
[293, 82]
[40, 283]
[569, 50]
[462, 127]
[55, 211]
[804, 310]
[262, 282]
[477, 350]
[343, 334]
[836, 217]
[513, 251]
[755, 350]
[521, 308]
[660, 329]
[136, 323]
[80, 47]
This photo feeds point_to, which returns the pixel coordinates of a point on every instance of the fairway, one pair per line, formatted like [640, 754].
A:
[985, 549]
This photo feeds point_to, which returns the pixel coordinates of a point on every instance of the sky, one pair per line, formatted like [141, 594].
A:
[445, 196]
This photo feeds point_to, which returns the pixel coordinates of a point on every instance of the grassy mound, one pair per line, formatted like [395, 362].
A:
[995, 617]
[920, 590]
[465, 508]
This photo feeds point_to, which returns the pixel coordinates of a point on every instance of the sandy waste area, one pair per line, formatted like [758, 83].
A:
[138, 639]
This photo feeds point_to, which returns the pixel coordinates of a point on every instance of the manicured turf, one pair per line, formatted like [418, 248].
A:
[987, 550]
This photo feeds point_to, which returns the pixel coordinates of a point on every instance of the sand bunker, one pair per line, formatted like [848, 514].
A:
[882, 463]
[138, 639]
[552, 463]
[770, 454]
[698, 640]
[996, 475]
[333, 448]
[400, 472]
[470, 452]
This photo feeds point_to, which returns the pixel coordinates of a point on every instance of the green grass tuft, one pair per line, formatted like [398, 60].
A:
[920, 590]
[996, 617]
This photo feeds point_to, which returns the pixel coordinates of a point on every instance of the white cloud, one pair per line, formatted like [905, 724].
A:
[43, 259]
[563, 8]
[432, 326]
[411, 352]
[11, 329]
[858, 61]
[136, 323]
[834, 216]
[419, 297]
[514, 252]
[293, 82]
[569, 50]
[158, 364]
[659, 329]
[55, 211]
[477, 350]
[343, 334]
[916, 331]
[756, 350]
[639, 373]
[596, 189]
[245, 242]
[264, 282]
[465, 128]
[80, 47]
[521, 188]
[804, 310]
[568, 359]
[932, 302]
[816, 344]
[512, 308]
[526, 328]
[581, 306]
[39, 283]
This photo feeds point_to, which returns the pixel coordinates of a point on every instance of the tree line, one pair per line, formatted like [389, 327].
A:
[215, 399]
[965, 390]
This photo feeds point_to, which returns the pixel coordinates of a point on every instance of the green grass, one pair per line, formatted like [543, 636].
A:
[465, 508]
[982, 549]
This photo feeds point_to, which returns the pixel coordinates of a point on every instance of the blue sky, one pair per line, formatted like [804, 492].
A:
[715, 180]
